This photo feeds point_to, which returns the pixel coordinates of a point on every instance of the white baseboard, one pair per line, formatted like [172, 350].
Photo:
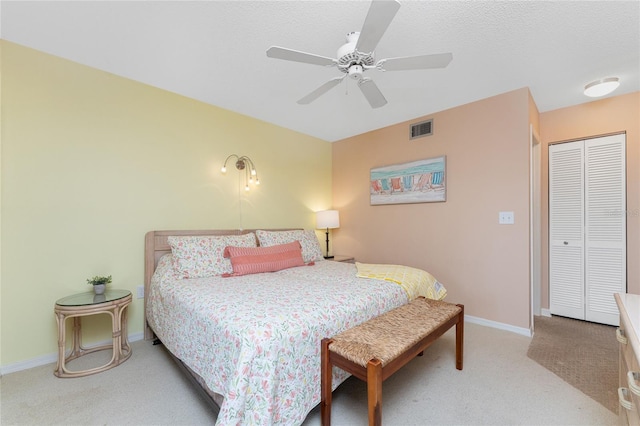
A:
[545, 313]
[498, 325]
[51, 358]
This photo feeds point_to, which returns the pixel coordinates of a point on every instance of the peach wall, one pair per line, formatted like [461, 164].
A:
[611, 115]
[483, 264]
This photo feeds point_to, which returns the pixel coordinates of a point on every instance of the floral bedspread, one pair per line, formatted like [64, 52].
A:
[255, 339]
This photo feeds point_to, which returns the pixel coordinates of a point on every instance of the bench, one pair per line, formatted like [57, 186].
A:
[375, 349]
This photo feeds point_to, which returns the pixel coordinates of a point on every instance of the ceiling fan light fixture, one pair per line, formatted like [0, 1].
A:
[355, 72]
[601, 87]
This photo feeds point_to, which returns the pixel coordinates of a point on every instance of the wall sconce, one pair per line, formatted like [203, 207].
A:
[329, 219]
[244, 163]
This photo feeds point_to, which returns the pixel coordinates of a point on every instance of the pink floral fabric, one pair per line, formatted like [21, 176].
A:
[311, 251]
[255, 339]
[203, 256]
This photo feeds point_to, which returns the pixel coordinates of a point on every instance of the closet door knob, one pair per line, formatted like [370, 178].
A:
[566, 243]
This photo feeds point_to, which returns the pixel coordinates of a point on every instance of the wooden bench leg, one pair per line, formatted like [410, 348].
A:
[460, 338]
[374, 392]
[374, 369]
[325, 383]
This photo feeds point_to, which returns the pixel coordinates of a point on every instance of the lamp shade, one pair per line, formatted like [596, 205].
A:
[328, 219]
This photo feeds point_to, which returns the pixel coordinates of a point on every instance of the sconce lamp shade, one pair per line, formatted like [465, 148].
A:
[328, 219]
[601, 87]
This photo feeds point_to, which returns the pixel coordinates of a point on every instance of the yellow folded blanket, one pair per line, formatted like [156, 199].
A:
[415, 282]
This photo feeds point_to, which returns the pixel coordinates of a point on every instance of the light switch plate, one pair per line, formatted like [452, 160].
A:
[506, 218]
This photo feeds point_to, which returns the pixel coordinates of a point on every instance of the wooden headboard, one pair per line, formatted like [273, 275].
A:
[156, 245]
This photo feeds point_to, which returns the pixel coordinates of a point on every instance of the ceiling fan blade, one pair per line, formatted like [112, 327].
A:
[380, 15]
[297, 56]
[321, 90]
[439, 60]
[372, 93]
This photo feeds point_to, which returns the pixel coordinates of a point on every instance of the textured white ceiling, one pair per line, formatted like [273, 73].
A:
[214, 51]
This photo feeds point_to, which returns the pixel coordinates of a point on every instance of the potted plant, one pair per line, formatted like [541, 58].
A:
[99, 283]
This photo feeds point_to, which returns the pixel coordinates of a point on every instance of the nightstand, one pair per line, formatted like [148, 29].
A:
[343, 259]
[113, 303]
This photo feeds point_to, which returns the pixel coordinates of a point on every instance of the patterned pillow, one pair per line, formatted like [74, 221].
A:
[311, 251]
[203, 256]
[253, 260]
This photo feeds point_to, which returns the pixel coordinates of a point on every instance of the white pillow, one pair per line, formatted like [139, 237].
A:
[203, 256]
[311, 251]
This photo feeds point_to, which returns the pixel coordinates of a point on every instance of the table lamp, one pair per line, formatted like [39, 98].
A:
[327, 219]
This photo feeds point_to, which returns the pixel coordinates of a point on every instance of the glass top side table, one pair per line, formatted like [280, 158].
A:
[112, 302]
[89, 298]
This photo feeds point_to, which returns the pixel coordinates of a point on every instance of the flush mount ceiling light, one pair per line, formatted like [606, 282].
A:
[601, 87]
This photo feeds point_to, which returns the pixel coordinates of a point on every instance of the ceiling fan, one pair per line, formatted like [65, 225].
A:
[356, 56]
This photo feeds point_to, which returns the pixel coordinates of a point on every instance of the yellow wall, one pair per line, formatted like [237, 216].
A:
[483, 264]
[610, 115]
[92, 161]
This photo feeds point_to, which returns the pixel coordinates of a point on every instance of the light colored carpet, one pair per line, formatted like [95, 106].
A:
[499, 385]
[582, 353]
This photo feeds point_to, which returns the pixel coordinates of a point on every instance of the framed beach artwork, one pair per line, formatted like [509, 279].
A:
[421, 181]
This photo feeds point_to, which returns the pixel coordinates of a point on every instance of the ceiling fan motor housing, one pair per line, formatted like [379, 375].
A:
[349, 61]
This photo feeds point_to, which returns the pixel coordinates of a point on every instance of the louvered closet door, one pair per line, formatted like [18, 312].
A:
[587, 228]
[566, 230]
[605, 227]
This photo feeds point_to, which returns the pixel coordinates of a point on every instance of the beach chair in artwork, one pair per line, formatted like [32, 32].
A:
[437, 180]
[376, 188]
[407, 182]
[385, 186]
[396, 185]
[424, 183]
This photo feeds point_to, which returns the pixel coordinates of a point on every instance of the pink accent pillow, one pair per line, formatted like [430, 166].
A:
[253, 260]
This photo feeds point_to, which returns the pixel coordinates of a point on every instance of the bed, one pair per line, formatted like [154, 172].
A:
[252, 341]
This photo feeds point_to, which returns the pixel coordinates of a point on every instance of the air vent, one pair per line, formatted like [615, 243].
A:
[424, 128]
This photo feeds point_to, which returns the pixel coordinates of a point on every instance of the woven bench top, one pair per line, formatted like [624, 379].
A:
[389, 335]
